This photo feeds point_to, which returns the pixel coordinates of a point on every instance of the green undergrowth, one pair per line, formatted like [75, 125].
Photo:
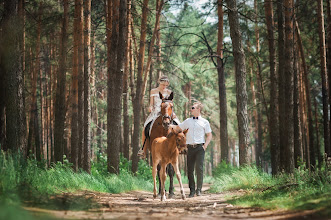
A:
[302, 190]
[30, 183]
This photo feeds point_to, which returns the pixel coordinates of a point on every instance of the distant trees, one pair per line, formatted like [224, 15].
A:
[75, 78]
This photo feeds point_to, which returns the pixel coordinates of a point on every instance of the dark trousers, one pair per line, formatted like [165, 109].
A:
[195, 159]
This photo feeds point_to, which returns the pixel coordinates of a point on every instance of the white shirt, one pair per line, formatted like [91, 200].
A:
[197, 128]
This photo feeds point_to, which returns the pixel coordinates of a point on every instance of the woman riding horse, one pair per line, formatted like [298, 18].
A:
[155, 110]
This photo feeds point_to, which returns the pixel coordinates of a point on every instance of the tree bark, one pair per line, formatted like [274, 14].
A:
[221, 87]
[115, 79]
[80, 42]
[324, 76]
[126, 129]
[298, 154]
[328, 150]
[60, 105]
[74, 89]
[241, 92]
[273, 109]
[87, 91]
[311, 144]
[281, 84]
[289, 88]
[138, 96]
[159, 5]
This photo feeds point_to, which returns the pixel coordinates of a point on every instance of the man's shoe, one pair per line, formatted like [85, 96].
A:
[191, 195]
[198, 193]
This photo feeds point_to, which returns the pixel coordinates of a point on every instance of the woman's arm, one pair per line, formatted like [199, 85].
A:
[151, 101]
[151, 104]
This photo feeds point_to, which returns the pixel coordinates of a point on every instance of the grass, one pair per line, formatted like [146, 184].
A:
[298, 191]
[29, 183]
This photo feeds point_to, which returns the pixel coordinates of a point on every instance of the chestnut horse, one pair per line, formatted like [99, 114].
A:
[160, 129]
[165, 150]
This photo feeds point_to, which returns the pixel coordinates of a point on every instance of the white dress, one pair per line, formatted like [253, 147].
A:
[156, 111]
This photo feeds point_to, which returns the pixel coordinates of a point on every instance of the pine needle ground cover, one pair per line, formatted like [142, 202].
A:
[298, 191]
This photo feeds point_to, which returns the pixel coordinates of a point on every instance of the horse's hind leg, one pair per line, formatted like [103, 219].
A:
[163, 176]
[171, 173]
[158, 176]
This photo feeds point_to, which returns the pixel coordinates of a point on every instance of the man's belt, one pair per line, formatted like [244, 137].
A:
[195, 145]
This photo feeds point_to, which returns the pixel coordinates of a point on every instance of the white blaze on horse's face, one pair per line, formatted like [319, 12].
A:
[166, 111]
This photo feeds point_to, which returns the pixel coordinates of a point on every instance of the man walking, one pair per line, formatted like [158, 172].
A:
[198, 128]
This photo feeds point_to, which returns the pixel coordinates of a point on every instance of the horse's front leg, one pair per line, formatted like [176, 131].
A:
[154, 172]
[179, 178]
[163, 177]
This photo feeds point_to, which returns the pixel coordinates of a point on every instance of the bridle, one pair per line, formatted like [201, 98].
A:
[166, 116]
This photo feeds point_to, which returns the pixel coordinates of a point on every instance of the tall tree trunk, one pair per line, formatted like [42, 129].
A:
[316, 123]
[87, 91]
[241, 92]
[258, 149]
[159, 5]
[281, 83]
[80, 42]
[138, 96]
[328, 150]
[311, 145]
[74, 91]
[39, 72]
[221, 87]
[298, 154]
[21, 119]
[289, 128]
[126, 129]
[324, 76]
[115, 75]
[60, 106]
[273, 109]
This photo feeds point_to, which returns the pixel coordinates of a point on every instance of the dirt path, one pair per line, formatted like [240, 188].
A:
[140, 205]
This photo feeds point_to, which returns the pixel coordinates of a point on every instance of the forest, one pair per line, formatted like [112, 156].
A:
[76, 78]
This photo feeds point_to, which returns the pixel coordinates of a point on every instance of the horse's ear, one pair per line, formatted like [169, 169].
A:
[185, 131]
[171, 96]
[161, 96]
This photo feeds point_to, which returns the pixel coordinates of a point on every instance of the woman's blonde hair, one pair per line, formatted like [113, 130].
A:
[163, 79]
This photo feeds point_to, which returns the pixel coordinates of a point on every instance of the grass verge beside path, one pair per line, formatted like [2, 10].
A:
[298, 191]
[29, 183]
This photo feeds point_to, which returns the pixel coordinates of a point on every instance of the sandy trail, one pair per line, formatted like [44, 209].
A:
[141, 205]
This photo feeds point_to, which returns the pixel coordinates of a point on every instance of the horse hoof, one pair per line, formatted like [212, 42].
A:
[171, 195]
[183, 197]
[154, 196]
[163, 199]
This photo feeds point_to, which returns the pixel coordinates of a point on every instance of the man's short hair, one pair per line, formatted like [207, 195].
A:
[199, 105]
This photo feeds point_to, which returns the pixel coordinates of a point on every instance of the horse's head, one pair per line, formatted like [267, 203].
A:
[166, 110]
[180, 136]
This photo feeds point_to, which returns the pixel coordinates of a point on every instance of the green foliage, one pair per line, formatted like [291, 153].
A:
[228, 177]
[29, 180]
[299, 191]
